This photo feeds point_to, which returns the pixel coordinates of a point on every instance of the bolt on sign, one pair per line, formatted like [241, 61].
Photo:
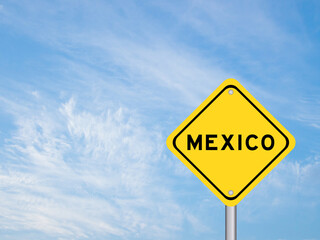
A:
[230, 142]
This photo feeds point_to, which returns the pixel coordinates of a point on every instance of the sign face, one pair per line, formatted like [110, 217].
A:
[230, 142]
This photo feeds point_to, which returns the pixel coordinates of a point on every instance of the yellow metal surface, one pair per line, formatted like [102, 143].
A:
[230, 142]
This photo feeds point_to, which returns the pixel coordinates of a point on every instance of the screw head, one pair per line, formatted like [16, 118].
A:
[230, 192]
[230, 91]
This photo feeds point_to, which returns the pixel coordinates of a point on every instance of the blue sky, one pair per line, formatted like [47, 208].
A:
[89, 91]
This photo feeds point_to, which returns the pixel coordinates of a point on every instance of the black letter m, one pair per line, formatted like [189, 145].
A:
[194, 144]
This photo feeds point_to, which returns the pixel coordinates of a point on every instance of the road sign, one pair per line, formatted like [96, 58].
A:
[230, 142]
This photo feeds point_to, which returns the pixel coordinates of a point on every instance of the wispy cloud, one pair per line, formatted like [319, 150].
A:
[71, 173]
[291, 185]
[309, 111]
[122, 41]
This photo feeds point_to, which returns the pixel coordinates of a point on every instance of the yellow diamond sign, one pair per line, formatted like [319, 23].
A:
[230, 142]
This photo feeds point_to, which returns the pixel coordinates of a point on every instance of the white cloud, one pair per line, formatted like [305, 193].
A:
[70, 173]
[138, 51]
[248, 29]
[292, 184]
[308, 112]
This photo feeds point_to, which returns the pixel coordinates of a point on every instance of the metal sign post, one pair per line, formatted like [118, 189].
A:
[231, 223]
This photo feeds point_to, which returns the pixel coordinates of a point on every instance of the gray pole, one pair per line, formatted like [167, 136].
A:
[231, 223]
